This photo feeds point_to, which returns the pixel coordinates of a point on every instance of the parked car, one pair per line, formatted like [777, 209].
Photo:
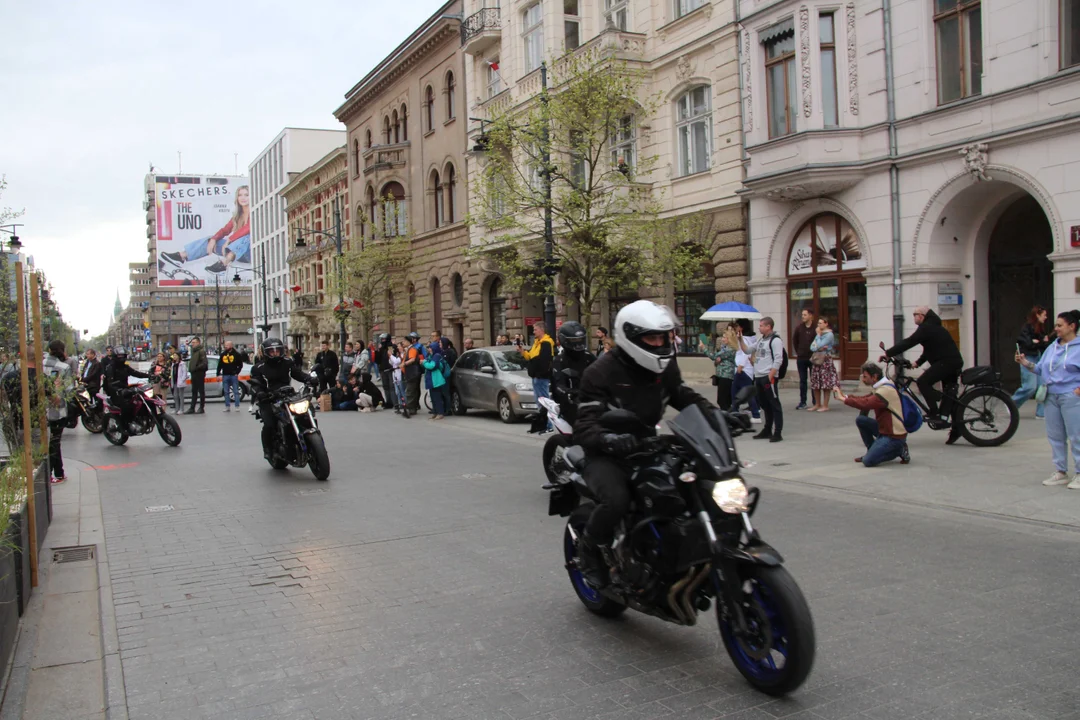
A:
[214, 387]
[492, 378]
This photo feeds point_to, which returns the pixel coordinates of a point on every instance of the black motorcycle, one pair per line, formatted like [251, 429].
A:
[88, 408]
[146, 414]
[688, 542]
[299, 441]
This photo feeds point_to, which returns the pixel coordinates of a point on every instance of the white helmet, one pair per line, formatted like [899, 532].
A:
[640, 318]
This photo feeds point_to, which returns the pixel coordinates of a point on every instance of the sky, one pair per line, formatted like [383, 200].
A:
[92, 93]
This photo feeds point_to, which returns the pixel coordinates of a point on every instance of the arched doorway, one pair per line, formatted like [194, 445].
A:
[824, 271]
[1020, 275]
[496, 311]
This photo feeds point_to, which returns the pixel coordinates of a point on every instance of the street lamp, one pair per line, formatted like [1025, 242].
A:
[14, 243]
[336, 237]
[260, 271]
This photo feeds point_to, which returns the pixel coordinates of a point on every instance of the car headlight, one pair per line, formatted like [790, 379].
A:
[299, 408]
[523, 386]
[731, 496]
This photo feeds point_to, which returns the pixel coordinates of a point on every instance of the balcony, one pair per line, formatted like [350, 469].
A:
[481, 31]
[385, 157]
[308, 301]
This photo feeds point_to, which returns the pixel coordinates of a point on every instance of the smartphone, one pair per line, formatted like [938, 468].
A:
[1017, 348]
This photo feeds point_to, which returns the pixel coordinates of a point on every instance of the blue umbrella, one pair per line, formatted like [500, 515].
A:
[731, 310]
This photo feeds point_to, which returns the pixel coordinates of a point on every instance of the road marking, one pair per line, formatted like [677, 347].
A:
[123, 466]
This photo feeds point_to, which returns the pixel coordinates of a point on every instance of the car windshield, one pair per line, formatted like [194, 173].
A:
[510, 361]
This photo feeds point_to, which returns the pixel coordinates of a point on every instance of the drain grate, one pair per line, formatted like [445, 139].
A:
[76, 553]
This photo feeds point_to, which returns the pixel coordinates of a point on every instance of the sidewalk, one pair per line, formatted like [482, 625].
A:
[67, 657]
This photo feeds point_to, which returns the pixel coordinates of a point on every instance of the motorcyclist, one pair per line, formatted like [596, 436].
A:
[639, 375]
[939, 349]
[569, 367]
[268, 375]
[117, 373]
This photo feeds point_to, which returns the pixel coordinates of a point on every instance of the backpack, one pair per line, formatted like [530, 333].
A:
[783, 361]
[444, 368]
[912, 419]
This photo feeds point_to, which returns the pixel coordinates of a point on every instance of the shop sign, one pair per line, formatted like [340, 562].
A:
[802, 293]
[827, 291]
[949, 288]
[950, 299]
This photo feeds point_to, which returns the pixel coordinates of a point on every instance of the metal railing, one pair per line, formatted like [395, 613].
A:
[486, 19]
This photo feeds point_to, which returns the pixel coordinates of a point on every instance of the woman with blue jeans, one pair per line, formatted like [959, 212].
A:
[1031, 343]
[1059, 370]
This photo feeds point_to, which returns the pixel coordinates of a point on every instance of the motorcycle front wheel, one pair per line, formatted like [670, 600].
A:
[94, 422]
[777, 652]
[318, 459]
[169, 430]
[114, 433]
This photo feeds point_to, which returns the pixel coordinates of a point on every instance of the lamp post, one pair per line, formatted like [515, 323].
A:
[260, 271]
[549, 238]
[336, 237]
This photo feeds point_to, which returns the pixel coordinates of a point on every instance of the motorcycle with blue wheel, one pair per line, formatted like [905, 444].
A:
[688, 543]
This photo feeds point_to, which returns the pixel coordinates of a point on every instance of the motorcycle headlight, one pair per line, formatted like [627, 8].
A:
[148, 393]
[523, 386]
[731, 496]
[299, 408]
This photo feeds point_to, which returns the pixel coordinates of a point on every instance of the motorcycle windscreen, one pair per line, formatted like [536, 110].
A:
[693, 429]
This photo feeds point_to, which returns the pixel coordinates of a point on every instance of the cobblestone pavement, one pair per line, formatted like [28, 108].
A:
[425, 580]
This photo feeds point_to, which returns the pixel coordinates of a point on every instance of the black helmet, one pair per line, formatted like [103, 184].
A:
[572, 336]
[384, 339]
[120, 353]
[272, 349]
[414, 336]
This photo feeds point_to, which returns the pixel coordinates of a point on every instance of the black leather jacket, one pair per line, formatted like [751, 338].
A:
[937, 344]
[616, 381]
[569, 368]
[117, 374]
[268, 376]
[1031, 343]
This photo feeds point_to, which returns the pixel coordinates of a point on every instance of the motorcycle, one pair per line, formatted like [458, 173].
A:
[147, 413]
[688, 542]
[562, 437]
[300, 442]
[88, 408]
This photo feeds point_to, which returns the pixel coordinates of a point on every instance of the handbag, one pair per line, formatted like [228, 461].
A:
[820, 357]
[715, 380]
[1040, 394]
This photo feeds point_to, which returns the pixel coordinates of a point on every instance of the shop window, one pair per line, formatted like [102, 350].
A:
[693, 298]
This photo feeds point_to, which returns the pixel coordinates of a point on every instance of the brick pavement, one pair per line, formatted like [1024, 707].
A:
[425, 581]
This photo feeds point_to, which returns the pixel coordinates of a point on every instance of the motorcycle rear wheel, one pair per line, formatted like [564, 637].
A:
[318, 460]
[169, 430]
[590, 597]
[553, 443]
[114, 433]
[93, 422]
[777, 658]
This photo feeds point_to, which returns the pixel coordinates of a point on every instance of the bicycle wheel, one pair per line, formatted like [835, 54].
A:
[988, 418]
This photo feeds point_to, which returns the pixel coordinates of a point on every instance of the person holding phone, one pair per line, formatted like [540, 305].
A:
[1031, 343]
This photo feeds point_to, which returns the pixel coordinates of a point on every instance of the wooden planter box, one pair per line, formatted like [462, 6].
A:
[18, 537]
[9, 609]
[43, 500]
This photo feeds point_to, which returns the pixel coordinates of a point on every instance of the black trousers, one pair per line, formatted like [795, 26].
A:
[804, 378]
[611, 485]
[387, 377]
[412, 393]
[944, 372]
[769, 399]
[198, 390]
[56, 460]
[269, 426]
[723, 392]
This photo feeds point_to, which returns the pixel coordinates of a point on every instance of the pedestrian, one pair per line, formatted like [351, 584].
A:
[467, 343]
[229, 366]
[723, 357]
[801, 339]
[57, 369]
[159, 371]
[602, 342]
[197, 367]
[395, 358]
[382, 360]
[327, 360]
[362, 364]
[744, 369]
[435, 376]
[884, 435]
[823, 377]
[413, 371]
[1060, 376]
[348, 361]
[297, 359]
[91, 373]
[368, 397]
[345, 395]
[540, 357]
[1031, 343]
[179, 376]
[767, 354]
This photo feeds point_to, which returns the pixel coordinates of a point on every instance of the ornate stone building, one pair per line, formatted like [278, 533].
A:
[406, 123]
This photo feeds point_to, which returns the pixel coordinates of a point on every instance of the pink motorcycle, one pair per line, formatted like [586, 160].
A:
[147, 413]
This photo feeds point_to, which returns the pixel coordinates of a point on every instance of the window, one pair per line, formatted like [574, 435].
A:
[404, 124]
[624, 145]
[429, 109]
[437, 197]
[459, 290]
[571, 25]
[694, 128]
[685, 7]
[386, 130]
[451, 192]
[356, 157]
[958, 28]
[450, 115]
[533, 35]
[436, 304]
[391, 311]
[692, 299]
[394, 212]
[617, 14]
[579, 169]
[494, 79]
[827, 43]
[396, 122]
[1070, 33]
[782, 82]
[371, 208]
[367, 140]
[412, 306]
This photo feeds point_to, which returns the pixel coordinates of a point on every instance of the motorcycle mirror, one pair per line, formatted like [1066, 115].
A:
[881, 344]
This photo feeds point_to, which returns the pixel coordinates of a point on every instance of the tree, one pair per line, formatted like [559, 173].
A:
[601, 214]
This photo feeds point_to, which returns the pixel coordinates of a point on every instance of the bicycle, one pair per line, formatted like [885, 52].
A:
[983, 413]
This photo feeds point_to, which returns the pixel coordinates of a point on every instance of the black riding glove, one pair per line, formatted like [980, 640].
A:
[618, 443]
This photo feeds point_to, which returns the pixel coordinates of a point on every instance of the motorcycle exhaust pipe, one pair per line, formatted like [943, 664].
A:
[673, 593]
[687, 596]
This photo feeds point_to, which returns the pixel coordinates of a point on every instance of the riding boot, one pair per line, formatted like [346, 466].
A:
[592, 562]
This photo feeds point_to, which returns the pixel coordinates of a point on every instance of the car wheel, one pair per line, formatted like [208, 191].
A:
[457, 407]
[506, 409]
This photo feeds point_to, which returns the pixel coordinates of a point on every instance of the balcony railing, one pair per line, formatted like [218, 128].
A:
[308, 301]
[382, 157]
[480, 30]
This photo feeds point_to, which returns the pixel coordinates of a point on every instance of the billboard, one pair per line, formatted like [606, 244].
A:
[203, 230]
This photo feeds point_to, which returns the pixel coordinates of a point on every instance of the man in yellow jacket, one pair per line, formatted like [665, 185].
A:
[541, 356]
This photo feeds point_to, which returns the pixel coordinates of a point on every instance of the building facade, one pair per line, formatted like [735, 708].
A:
[687, 52]
[912, 153]
[316, 201]
[293, 150]
[406, 132]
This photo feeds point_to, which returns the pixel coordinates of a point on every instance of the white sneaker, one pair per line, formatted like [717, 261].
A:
[1059, 478]
[1075, 484]
[756, 421]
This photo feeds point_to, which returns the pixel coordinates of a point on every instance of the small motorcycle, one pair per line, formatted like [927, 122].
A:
[88, 408]
[688, 543]
[562, 437]
[300, 442]
[147, 414]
